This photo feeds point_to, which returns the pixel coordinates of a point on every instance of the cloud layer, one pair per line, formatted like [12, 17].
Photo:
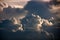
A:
[12, 3]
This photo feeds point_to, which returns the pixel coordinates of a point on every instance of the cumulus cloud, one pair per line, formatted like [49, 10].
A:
[47, 22]
[32, 23]
[14, 20]
[3, 5]
[12, 8]
[42, 21]
[12, 3]
[35, 22]
[19, 28]
[11, 25]
[55, 10]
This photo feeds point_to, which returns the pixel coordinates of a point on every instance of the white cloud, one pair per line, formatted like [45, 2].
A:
[40, 23]
[55, 10]
[47, 23]
[37, 23]
[20, 28]
[16, 22]
[13, 3]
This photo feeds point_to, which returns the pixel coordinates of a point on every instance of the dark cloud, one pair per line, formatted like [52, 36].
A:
[39, 8]
[13, 12]
[10, 26]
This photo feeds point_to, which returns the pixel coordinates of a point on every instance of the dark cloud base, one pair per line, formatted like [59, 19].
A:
[27, 35]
